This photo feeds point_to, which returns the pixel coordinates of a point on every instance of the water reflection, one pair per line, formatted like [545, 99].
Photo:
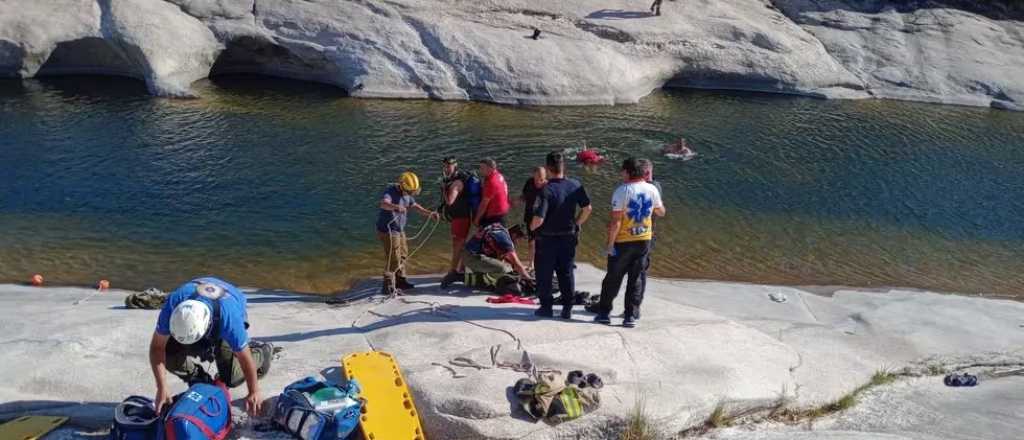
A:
[273, 183]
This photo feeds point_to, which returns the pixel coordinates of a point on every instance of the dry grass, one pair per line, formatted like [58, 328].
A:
[640, 426]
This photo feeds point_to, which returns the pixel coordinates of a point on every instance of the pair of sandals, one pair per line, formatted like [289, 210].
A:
[960, 380]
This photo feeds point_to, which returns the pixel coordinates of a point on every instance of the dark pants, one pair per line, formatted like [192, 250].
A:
[628, 262]
[647, 266]
[555, 254]
[180, 363]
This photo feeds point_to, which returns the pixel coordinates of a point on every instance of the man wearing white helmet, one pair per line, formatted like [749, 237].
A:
[205, 319]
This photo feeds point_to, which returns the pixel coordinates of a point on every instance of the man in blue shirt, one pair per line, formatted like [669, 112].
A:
[206, 319]
[557, 225]
[394, 205]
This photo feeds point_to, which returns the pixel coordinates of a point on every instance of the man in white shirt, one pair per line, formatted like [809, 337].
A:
[634, 203]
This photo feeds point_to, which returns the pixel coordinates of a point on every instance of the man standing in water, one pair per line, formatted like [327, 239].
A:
[494, 202]
[394, 205]
[458, 210]
[531, 189]
[557, 227]
[648, 168]
[630, 230]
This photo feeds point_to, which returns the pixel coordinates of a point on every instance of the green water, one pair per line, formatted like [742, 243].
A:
[274, 183]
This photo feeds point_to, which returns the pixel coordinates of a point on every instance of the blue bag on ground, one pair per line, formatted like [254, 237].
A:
[311, 409]
[135, 419]
[201, 413]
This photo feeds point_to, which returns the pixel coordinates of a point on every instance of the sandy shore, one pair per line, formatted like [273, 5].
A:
[701, 345]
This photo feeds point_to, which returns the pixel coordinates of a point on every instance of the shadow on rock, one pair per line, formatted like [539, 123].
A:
[91, 415]
[618, 14]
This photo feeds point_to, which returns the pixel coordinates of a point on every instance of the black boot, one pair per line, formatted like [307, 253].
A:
[404, 284]
[451, 278]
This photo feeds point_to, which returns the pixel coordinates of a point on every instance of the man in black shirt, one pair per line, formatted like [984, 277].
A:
[531, 189]
[557, 225]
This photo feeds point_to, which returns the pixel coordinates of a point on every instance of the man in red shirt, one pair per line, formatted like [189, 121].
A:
[494, 202]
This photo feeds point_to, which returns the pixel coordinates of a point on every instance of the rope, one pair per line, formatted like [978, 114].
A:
[86, 298]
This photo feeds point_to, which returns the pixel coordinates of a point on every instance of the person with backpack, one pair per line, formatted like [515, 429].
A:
[557, 225]
[634, 204]
[494, 201]
[206, 319]
[458, 187]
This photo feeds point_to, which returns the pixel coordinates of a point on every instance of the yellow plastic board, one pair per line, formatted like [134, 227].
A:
[389, 412]
[30, 427]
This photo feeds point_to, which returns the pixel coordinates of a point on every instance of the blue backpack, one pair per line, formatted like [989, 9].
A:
[474, 191]
[201, 413]
[135, 419]
[311, 409]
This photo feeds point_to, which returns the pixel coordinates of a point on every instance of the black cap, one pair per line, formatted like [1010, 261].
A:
[449, 160]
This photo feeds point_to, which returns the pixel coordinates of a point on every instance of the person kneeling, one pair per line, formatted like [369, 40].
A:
[491, 253]
[204, 320]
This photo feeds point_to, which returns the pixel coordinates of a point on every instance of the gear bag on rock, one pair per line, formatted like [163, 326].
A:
[135, 419]
[203, 412]
[311, 409]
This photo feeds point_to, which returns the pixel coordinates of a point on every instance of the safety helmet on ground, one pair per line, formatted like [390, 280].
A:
[409, 182]
[190, 321]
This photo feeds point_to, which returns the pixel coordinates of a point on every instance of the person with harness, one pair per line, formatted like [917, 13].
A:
[458, 210]
[205, 319]
[492, 250]
[394, 205]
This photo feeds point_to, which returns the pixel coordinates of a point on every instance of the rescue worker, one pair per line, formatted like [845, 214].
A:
[492, 250]
[458, 211]
[557, 225]
[205, 320]
[394, 205]
[634, 204]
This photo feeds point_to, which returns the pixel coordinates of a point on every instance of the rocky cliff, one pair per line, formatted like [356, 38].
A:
[589, 52]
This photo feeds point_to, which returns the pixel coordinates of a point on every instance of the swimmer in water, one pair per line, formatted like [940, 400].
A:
[680, 148]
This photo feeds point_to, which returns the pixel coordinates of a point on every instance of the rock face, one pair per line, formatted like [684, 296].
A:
[701, 344]
[607, 52]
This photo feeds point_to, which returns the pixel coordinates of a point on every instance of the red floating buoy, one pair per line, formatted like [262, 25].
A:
[37, 280]
[103, 285]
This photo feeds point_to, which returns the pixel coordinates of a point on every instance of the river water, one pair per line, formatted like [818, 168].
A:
[274, 183]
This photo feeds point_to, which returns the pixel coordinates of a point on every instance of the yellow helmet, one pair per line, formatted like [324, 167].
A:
[409, 182]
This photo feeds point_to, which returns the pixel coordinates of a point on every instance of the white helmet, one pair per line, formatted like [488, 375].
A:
[190, 321]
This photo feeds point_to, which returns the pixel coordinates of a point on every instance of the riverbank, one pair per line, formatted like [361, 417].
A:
[701, 345]
[607, 52]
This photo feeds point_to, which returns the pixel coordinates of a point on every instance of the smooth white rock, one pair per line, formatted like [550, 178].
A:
[700, 344]
[589, 52]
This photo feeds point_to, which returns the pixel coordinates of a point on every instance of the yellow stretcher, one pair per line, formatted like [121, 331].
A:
[389, 412]
[30, 427]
